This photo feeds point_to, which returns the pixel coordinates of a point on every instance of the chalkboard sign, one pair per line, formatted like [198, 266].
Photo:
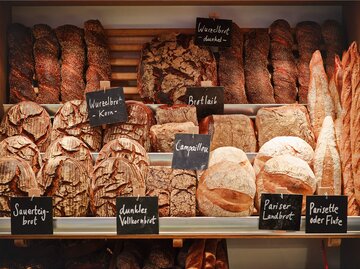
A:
[326, 214]
[280, 212]
[207, 100]
[137, 215]
[191, 151]
[213, 32]
[31, 215]
[106, 106]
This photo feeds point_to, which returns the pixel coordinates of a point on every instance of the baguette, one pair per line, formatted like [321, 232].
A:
[194, 260]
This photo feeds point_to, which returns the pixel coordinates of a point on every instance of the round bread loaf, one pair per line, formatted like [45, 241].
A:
[226, 189]
[72, 119]
[285, 171]
[24, 148]
[114, 177]
[128, 149]
[67, 181]
[16, 179]
[72, 147]
[28, 119]
[282, 145]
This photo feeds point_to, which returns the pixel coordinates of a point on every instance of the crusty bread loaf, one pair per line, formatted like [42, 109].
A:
[162, 254]
[72, 147]
[115, 176]
[289, 120]
[319, 99]
[195, 256]
[283, 145]
[68, 182]
[22, 147]
[163, 135]
[230, 130]
[16, 179]
[335, 87]
[72, 119]
[327, 167]
[285, 171]
[226, 189]
[221, 256]
[29, 119]
[210, 253]
[176, 113]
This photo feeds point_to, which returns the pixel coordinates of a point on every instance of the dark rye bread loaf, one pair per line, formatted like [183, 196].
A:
[22, 147]
[137, 127]
[73, 147]
[28, 119]
[16, 179]
[68, 182]
[175, 189]
[169, 64]
[21, 63]
[47, 66]
[113, 177]
[71, 39]
[72, 119]
[98, 55]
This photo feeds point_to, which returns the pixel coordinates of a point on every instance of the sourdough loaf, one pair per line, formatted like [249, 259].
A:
[230, 130]
[176, 113]
[72, 120]
[16, 179]
[22, 147]
[68, 182]
[28, 119]
[289, 120]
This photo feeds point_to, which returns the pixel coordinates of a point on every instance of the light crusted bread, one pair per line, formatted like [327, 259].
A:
[335, 87]
[289, 120]
[320, 103]
[285, 171]
[327, 167]
[282, 145]
[226, 189]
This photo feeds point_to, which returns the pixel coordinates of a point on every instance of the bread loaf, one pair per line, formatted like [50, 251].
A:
[22, 147]
[230, 130]
[137, 127]
[290, 120]
[319, 99]
[231, 69]
[327, 167]
[163, 135]
[98, 55]
[114, 177]
[333, 88]
[283, 145]
[73, 147]
[283, 62]
[28, 119]
[176, 113]
[68, 182]
[47, 66]
[71, 39]
[131, 255]
[128, 149]
[288, 172]
[72, 120]
[221, 256]
[257, 76]
[210, 253]
[16, 179]
[194, 259]
[175, 189]
[162, 254]
[169, 64]
[21, 63]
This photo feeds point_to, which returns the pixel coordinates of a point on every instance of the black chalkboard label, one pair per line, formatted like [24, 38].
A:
[137, 215]
[213, 32]
[106, 106]
[207, 100]
[191, 152]
[31, 215]
[326, 214]
[280, 212]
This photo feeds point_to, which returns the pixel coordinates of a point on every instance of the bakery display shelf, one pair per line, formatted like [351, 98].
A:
[177, 227]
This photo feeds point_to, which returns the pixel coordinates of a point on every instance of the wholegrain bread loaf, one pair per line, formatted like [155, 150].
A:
[289, 120]
[28, 119]
[22, 147]
[68, 182]
[176, 113]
